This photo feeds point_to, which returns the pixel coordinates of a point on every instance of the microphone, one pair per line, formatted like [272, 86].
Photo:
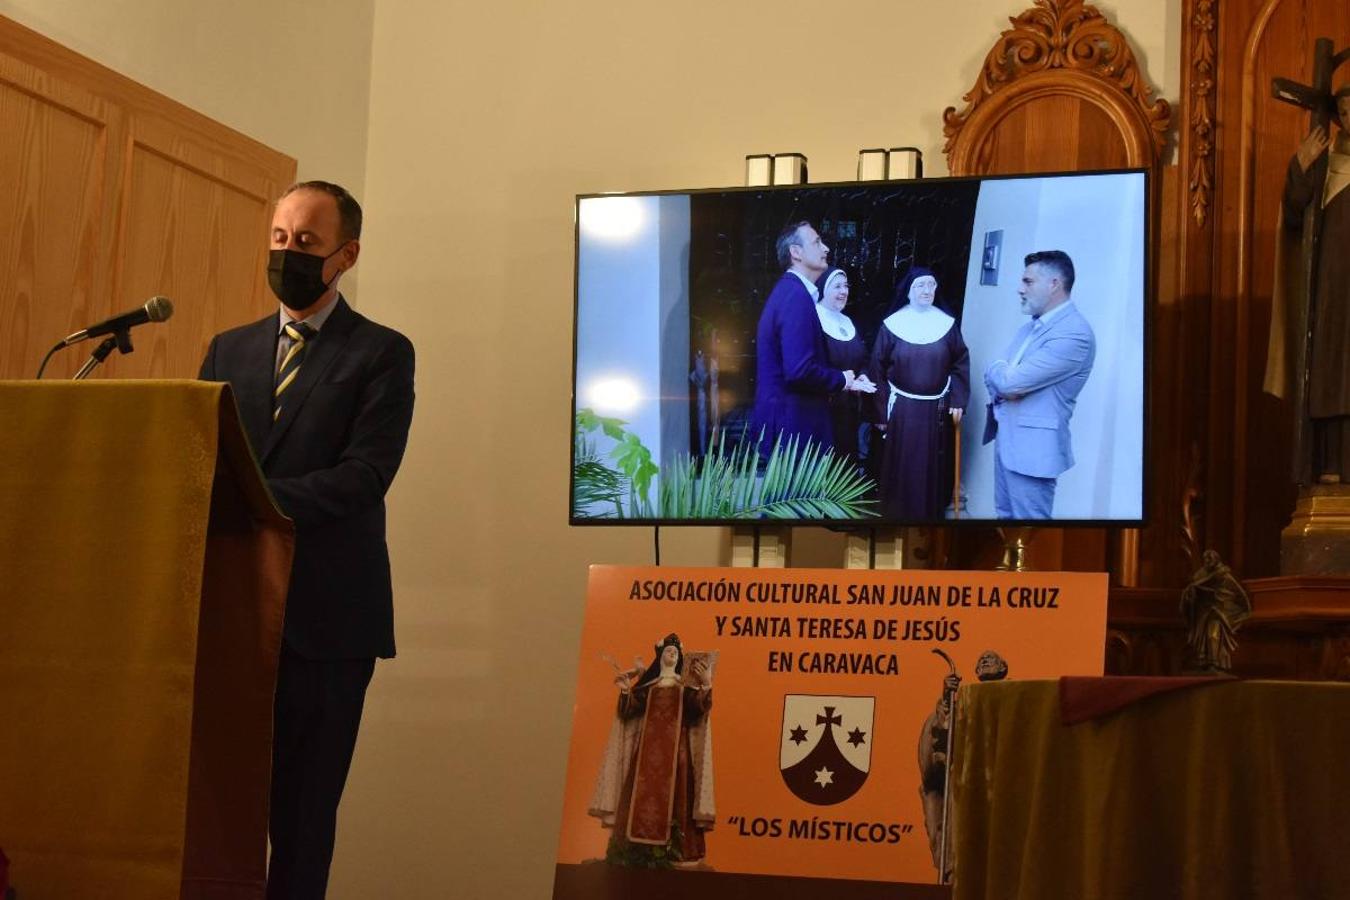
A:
[156, 309]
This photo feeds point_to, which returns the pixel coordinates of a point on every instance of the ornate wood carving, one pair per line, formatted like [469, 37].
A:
[1060, 47]
[1203, 23]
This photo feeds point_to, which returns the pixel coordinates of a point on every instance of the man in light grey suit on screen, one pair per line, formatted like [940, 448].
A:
[1034, 387]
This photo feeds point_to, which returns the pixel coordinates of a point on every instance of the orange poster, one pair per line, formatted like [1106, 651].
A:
[791, 722]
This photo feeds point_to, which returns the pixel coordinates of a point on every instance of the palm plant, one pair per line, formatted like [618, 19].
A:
[595, 484]
[802, 480]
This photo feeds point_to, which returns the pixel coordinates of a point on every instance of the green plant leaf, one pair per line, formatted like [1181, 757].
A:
[588, 421]
[626, 486]
[801, 480]
[595, 484]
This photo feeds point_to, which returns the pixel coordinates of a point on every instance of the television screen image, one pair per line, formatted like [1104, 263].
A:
[939, 351]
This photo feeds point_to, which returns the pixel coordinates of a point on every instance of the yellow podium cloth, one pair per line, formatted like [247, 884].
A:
[122, 735]
[1232, 791]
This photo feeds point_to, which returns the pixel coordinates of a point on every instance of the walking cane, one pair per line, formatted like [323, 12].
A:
[956, 484]
[950, 697]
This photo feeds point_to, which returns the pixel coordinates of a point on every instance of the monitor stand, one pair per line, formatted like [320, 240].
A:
[1015, 542]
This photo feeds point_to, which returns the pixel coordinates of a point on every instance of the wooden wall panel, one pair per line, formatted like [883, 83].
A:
[53, 160]
[113, 194]
[193, 237]
[1174, 427]
[1056, 133]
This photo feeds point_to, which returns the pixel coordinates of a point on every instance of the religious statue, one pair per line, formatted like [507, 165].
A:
[699, 378]
[935, 744]
[1214, 606]
[707, 400]
[655, 786]
[1310, 328]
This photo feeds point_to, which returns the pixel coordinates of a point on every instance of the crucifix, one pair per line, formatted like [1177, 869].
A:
[1316, 97]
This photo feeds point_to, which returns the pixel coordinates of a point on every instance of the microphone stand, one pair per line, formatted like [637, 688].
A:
[119, 341]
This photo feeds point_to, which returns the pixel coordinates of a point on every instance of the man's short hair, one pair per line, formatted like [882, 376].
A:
[1056, 261]
[349, 211]
[790, 236]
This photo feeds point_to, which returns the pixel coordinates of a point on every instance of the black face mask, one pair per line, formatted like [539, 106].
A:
[297, 278]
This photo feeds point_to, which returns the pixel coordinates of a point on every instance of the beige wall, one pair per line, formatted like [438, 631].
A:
[485, 120]
[295, 76]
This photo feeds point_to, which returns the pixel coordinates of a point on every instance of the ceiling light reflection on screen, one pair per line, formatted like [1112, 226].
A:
[608, 396]
[611, 218]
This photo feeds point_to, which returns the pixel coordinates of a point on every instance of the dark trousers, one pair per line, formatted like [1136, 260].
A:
[315, 720]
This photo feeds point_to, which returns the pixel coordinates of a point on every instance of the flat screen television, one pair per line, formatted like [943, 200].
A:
[941, 351]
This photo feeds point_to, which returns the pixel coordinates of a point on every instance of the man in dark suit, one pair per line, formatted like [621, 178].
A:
[793, 380]
[326, 397]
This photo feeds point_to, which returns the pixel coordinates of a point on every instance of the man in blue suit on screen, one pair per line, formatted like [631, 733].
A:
[792, 378]
[1033, 390]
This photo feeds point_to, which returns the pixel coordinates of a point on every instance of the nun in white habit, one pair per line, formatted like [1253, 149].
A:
[922, 370]
[845, 350]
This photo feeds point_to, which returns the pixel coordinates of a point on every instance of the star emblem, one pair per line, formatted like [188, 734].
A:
[824, 777]
[856, 737]
[798, 735]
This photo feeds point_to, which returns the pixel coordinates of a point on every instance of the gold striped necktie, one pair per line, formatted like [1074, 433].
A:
[300, 334]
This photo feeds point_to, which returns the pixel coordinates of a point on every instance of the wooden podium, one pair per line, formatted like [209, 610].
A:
[143, 578]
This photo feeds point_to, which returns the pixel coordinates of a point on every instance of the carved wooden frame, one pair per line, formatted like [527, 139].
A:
[1058, 48]
[1203, 57]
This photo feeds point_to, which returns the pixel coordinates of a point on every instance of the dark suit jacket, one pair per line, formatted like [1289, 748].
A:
[793, 380]
[328, 461]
